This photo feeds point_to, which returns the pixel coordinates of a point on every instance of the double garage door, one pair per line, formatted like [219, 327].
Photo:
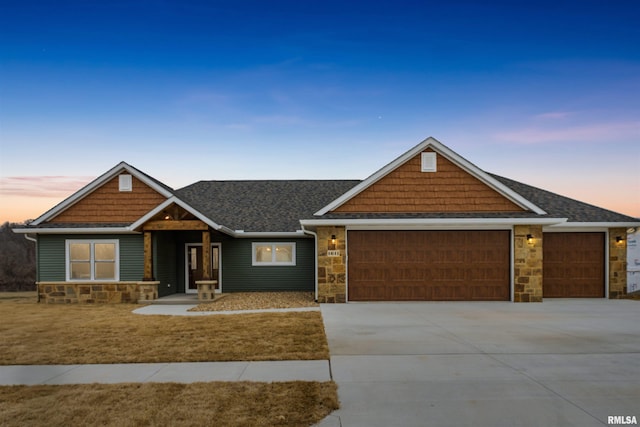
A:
[466, 265]
[428, 265]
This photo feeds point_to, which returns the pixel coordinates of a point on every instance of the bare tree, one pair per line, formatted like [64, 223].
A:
[17, 260]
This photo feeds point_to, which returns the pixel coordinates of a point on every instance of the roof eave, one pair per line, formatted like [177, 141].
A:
[269, 234]
[72, 230]
[462, 223]
[568, 225]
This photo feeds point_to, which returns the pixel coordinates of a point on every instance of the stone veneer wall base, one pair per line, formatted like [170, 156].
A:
[96, 292]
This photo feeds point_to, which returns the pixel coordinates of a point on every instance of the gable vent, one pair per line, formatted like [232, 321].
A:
[125, 182]
[429, 162]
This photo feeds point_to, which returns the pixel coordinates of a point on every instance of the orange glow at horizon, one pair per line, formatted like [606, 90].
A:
[20, 208]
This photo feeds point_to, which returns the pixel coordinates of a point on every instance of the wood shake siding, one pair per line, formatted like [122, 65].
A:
[107, 204]
[408, 190]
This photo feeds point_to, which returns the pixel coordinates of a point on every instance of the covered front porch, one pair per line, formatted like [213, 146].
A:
[182, 255]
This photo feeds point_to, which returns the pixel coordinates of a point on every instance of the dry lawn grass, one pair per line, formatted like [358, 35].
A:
[169, 404]
[35, 333]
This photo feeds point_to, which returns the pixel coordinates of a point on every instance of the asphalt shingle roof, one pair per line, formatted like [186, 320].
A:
[280, 205]
[564, 207]
[262, 205]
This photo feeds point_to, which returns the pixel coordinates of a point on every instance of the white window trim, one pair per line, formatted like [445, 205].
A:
[272, 263]
[92, 243]
[125, 183]
[429, 161]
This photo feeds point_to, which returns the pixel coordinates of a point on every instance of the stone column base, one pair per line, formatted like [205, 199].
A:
[147, 291]
[206, 289]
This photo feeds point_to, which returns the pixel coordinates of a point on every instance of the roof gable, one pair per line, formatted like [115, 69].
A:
[457, 185]
[101, 201]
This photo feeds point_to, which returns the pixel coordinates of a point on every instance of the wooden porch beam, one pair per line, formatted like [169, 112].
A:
[168, 225]
[148, 256]
[206, 255]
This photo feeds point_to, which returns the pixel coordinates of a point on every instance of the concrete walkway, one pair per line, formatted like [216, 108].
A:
[559, 363]
[290, 370]
[183, 310]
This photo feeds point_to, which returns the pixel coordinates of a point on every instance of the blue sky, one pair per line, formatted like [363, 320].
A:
[547, 93]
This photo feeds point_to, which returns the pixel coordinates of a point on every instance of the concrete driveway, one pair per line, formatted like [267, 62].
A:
[559, 363]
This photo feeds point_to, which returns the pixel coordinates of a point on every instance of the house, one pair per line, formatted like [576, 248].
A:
[430, 225]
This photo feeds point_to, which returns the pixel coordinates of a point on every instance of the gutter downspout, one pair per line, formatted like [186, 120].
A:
[315, 260]
[34, 240]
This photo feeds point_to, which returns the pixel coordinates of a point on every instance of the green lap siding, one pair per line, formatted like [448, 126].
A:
[237, 272]
[131, 256]
[238, 275]
[52, 257]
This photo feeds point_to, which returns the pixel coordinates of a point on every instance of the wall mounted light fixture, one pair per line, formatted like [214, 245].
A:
[332, 242]
[529, 238]
[619, 239]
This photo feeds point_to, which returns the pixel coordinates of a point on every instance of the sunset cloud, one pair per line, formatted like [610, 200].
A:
[580, 133]
[42, 186]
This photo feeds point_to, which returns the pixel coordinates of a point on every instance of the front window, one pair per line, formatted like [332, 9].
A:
[93, 260]
[273, 253]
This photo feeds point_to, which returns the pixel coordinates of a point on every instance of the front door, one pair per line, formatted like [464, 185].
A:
[194, 266]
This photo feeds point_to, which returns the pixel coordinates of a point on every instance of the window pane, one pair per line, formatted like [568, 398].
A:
[105, 252]
[80, 251]
[105, 270]
[81, 270]
[263, 253]
[284, 253]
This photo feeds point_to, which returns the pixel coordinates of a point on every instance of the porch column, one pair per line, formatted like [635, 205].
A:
[148, 256]
[206, 255]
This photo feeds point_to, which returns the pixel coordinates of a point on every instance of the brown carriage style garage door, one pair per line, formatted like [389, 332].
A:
[573, 265]
[428, 265]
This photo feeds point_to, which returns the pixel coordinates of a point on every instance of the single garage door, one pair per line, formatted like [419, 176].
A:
[573, 265]
[428, 265]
